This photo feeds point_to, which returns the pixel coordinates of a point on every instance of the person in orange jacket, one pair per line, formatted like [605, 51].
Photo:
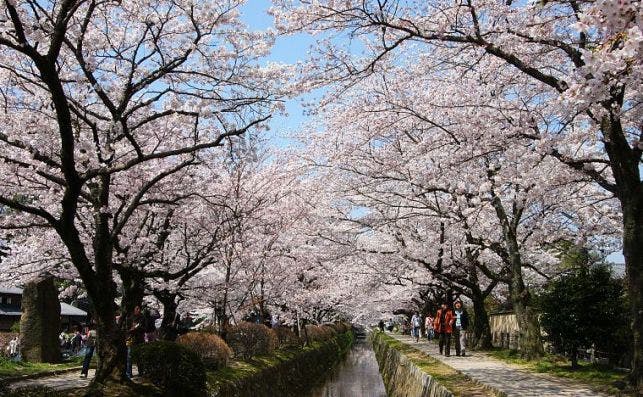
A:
[443, 324]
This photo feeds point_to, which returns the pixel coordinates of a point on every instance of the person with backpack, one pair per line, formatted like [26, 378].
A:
[90, 344]
[444, 325]
[461, 323]
[416, 322]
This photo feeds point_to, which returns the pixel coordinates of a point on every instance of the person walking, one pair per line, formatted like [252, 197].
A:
[13, 347]
[428, 325]
[380, 325]
[444, 325]
[460, 328]
[415, 326]
[135, 336]
[90, 345]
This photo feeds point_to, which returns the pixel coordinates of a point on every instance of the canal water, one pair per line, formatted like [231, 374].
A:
[358, 375]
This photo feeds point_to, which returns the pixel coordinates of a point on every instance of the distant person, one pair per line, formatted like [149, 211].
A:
[381, 325]
[416, 323]
[390, 325]
[444, 325]
[275, 321]
[428, 326]
[135, 336]
[76, 342]
[90, 344]
[13, 346]
[149, 320]
[459, 330]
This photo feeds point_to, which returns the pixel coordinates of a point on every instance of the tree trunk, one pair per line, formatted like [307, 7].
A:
[481, 328]
[112, 353]
[574, 357]
[530, 345]
[633, 253]
[168, 329]
[133, 291]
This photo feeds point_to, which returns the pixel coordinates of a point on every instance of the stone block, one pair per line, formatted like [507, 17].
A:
[40, 322]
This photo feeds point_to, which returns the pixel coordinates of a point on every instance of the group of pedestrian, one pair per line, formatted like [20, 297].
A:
[448, 323]
[451, 323]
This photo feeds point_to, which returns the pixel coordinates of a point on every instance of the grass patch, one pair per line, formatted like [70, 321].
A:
[598, 377]
[10, 369]
[456, 382]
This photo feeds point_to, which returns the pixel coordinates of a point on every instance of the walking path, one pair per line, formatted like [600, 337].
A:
[69, 380]
[500, 376]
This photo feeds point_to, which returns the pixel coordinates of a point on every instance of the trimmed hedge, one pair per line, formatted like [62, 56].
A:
[287, 338]
[319, 333]
[176, 369]
[286, 373]
[212, 350]
[250, 339]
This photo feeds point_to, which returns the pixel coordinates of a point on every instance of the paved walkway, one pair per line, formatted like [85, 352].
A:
[501, 376]
[69, 380]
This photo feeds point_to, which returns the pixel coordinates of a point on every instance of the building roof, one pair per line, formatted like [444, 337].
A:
[69, 310]
[10, 290]
[11, 310]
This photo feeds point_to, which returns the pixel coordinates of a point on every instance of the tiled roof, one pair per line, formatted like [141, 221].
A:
[10, 290]
[11, 310]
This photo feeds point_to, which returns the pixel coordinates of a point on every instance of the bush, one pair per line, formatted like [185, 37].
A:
[340, 327]
[287, 338]
[173, 367]
[212, 350]
[589, 299]
[318, 333]
[249, 339]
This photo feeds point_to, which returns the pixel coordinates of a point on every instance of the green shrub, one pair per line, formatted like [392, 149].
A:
[212, 350]
[171, 366]
[287, 338]
[249, 339]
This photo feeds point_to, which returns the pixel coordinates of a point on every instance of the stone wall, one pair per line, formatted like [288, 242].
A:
[401, 377]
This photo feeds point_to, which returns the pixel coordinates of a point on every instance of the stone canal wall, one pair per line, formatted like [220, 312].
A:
[286, 373]
[402, 377]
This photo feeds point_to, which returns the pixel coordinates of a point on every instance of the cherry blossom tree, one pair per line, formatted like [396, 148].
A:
[102, 103]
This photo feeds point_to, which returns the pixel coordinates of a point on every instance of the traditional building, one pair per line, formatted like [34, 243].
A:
[11, 310]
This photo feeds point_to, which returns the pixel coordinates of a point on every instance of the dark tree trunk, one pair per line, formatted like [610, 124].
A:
[168, 329]
[112, 352]
[133, 291]
[481, 328]
[633, 253]
[530, 343]
[625, 165]
[574, 357]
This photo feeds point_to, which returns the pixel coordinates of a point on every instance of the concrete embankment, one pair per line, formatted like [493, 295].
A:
[409, 372]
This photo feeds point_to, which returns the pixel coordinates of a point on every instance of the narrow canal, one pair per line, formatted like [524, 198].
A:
[357, 375]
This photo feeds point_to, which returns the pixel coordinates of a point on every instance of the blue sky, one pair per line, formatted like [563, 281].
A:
[286, 50]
